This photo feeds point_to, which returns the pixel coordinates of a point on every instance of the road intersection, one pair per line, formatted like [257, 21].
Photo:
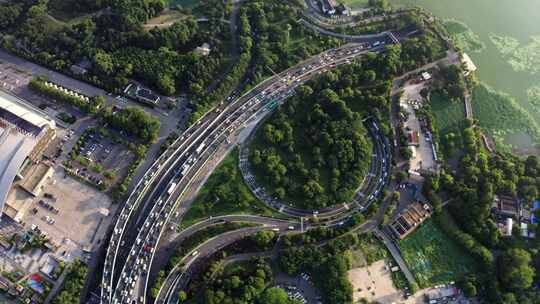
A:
[150, 206]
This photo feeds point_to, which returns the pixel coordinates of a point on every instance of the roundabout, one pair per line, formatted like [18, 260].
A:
[189, 161]
[368, 192]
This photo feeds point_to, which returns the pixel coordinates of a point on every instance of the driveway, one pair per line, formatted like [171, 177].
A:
[423, 154]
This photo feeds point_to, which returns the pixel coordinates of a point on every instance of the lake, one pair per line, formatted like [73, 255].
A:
[510, 61]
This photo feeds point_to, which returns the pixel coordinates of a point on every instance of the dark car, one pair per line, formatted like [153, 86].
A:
[48, 195]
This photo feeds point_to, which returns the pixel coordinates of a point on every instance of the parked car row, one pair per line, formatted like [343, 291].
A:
[48, 206]
[293, 293]
[48, 220]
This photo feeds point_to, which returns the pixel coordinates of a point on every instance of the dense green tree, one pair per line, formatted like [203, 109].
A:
[70, 292]
[9, 14]
[103, 62]
[274, 295]
[240, 285]
[134, 121]
[516, 270]
[264, 239]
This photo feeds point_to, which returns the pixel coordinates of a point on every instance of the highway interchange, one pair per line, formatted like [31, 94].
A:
[369, 192]
[145, 215]
[366, 194]
[177, 278]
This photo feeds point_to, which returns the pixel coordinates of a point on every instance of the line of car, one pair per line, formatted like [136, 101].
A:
[124, 215]
[48, 207]
[167, 208]
[227, 121]
[287, 79]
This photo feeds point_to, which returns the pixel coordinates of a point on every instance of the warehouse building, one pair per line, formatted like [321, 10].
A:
[25, 132]
[410, 219]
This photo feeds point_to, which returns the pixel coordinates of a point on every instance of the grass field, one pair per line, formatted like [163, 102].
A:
[356, 4]
[184, 3]
[166, 19]
[450, 119]
[225, 193]
[433, 257]
[501, 116]
[450, 115]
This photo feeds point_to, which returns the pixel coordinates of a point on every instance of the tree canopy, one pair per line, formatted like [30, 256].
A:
[114, 41]
[516, 270]
[134, 121]
[315, 149]
[73, 284]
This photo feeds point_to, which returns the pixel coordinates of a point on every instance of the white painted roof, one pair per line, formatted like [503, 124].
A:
[25, 111]
[469, 64]
[15, 147]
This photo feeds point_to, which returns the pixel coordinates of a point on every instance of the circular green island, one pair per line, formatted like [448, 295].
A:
[313, 152]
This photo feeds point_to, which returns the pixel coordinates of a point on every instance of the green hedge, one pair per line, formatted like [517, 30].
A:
[39, 85]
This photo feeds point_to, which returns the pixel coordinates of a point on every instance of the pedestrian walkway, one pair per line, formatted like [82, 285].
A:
[468, 107]
[57, 285]
[394, 251]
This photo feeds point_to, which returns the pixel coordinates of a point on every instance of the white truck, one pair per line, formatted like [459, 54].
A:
[185, 169]
[200, 148]
[171, 188]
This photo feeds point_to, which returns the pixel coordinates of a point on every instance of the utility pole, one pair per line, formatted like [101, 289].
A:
[275, 74]
[301, 224]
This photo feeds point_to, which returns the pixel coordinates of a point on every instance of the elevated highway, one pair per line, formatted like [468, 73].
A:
[159, 189]
[149, 207]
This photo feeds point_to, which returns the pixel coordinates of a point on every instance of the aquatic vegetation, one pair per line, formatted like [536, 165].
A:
[521, 57]
[533, 95]
[527, 58]
[501, 116]
[505, 44]
[463, 36]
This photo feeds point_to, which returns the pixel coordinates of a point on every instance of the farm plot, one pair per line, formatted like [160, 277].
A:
[433, 257]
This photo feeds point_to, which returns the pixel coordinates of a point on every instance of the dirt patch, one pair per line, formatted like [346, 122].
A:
[374, 283]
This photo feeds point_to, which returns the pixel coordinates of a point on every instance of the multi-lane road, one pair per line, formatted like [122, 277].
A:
[181, 273]
[370, 191]
[366, 194]
[148, 209]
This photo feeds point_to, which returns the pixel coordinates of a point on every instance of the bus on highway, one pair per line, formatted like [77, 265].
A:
[185, 169]
[272, 105]
[200, 148]
[171, 188]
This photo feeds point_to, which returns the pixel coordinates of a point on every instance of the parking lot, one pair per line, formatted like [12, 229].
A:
[420, 296]
[423, 155]
[13, 78]
[300, 287]
[101, 159]
[70, 212]
[110, 154]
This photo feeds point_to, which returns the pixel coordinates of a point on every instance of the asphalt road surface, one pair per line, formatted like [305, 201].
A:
[185, 159]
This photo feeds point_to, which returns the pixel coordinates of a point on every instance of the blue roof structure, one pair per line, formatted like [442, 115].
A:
[535, 206]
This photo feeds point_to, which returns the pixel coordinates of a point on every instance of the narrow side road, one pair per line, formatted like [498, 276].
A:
[394, 251]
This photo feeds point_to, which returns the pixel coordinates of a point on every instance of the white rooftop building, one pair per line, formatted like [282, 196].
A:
[24, 133]
[470, 67]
